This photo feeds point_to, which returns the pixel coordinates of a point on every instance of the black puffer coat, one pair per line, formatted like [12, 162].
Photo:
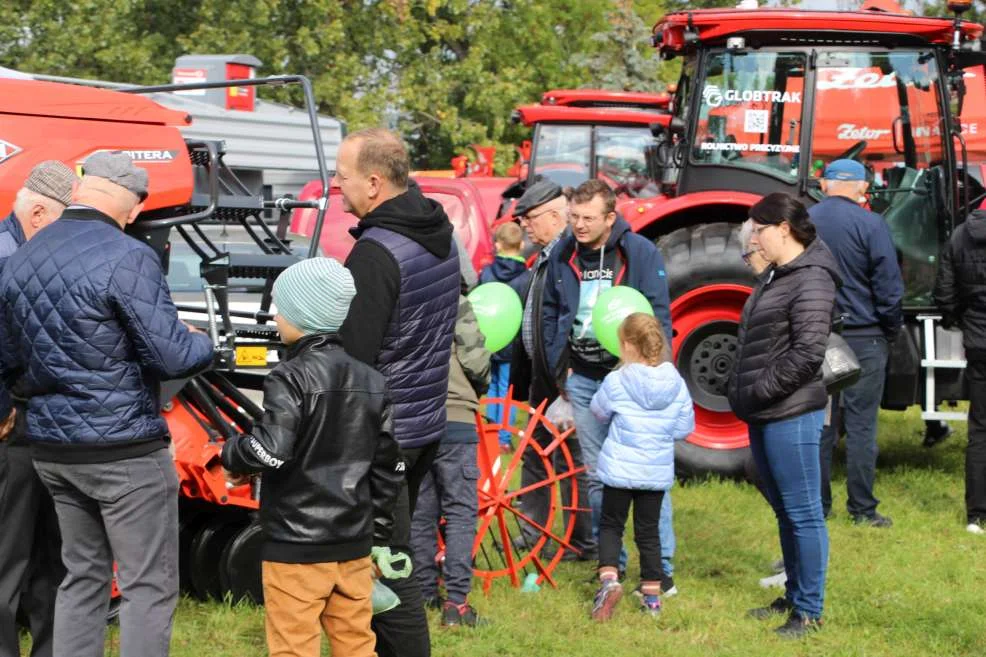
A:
[782, 337]
[960, 289]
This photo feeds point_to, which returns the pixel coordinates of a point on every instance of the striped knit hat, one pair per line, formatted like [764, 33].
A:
[314, 295]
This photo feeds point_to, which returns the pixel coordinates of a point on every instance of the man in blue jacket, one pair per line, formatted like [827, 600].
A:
[601, 252]
[870, 300]
[88, 331]
[30, 548]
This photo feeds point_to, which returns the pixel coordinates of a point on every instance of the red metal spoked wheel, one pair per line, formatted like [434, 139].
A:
[509, 542]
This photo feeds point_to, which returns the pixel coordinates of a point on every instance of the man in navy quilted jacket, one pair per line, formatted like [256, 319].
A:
[87, 331]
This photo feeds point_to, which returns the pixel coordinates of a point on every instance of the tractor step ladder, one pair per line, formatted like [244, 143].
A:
[930, 362]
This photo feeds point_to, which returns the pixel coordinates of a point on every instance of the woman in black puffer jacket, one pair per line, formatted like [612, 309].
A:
[776, 388]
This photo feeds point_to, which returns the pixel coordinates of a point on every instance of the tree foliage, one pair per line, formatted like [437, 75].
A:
[446, 73]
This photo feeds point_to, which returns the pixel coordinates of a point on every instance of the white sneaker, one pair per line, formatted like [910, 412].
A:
[671, 592]
[774, 581]
[975, 528]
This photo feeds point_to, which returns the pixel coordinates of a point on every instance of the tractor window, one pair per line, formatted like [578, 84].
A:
[883, 110]
[562, 153]
[621, 160]
[750, 112]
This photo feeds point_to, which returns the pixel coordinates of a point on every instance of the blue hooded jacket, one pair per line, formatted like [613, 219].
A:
[648, 408]
[643, 270]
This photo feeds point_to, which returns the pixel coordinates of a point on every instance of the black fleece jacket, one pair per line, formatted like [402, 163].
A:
[960, 288]
[376, 273]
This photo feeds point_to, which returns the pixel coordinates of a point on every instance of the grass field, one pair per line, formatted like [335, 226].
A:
[917, 589]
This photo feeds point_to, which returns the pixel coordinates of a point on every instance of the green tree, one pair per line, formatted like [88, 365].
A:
[107, 39]
[976, 14]
[447, 73]
[625, 59]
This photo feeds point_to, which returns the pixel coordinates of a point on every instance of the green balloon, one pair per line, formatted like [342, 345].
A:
[499, 313]
[612, 307]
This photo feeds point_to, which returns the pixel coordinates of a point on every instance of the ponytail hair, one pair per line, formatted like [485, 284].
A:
[644, 332]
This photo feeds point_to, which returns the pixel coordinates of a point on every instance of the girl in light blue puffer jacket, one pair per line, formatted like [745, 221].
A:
[648, 406]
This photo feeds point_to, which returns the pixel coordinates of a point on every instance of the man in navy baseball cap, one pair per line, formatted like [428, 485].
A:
[870, 301]
[845, 170]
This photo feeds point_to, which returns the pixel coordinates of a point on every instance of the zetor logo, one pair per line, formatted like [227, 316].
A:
[857, 78]
[8, 150]
[850, 132]
[714, 96]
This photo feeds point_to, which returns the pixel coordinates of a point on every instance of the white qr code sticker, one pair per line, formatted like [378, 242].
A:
[756, 121]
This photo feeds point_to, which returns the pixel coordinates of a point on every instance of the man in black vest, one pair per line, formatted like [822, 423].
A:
[406, 270]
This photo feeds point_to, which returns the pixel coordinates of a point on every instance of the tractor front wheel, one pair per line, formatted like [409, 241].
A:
[708, 283]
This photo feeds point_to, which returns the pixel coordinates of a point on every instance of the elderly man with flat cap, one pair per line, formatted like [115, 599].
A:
[87, 332]
[30, 563]
[543, 214]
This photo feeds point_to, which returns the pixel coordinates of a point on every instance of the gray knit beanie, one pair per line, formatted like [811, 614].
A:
[314, 295]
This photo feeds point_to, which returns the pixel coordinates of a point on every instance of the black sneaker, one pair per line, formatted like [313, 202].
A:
[797, 627]
[454, 615]
[875, 520]
[935, 432]
[778, 606]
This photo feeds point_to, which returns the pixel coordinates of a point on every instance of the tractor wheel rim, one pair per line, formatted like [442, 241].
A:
[704, 348]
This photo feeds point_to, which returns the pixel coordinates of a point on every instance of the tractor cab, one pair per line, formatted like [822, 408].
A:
[582, 134]
[768, 98]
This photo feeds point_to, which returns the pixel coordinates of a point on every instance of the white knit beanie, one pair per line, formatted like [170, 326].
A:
[314, 295]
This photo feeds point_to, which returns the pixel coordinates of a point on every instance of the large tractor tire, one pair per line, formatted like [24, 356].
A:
[709, 283]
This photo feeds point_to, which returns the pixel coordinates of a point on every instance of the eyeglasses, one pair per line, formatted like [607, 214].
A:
[586, 219]
[759, 229]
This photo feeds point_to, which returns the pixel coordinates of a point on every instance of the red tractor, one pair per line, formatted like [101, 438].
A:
[766, 98]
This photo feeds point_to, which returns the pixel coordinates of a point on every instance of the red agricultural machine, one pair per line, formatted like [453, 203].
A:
[766, 98]
[191, 191]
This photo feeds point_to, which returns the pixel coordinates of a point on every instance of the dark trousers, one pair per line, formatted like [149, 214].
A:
[123, 511]
[537, 503]
[403, 631]
[975, 452]
[646, 529]
[858, 406]
[30, 560]
[449, 490]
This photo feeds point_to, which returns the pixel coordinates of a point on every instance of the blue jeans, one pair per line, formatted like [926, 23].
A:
[786, 453]
[592, 433]
[499, 384]
[858, 406]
